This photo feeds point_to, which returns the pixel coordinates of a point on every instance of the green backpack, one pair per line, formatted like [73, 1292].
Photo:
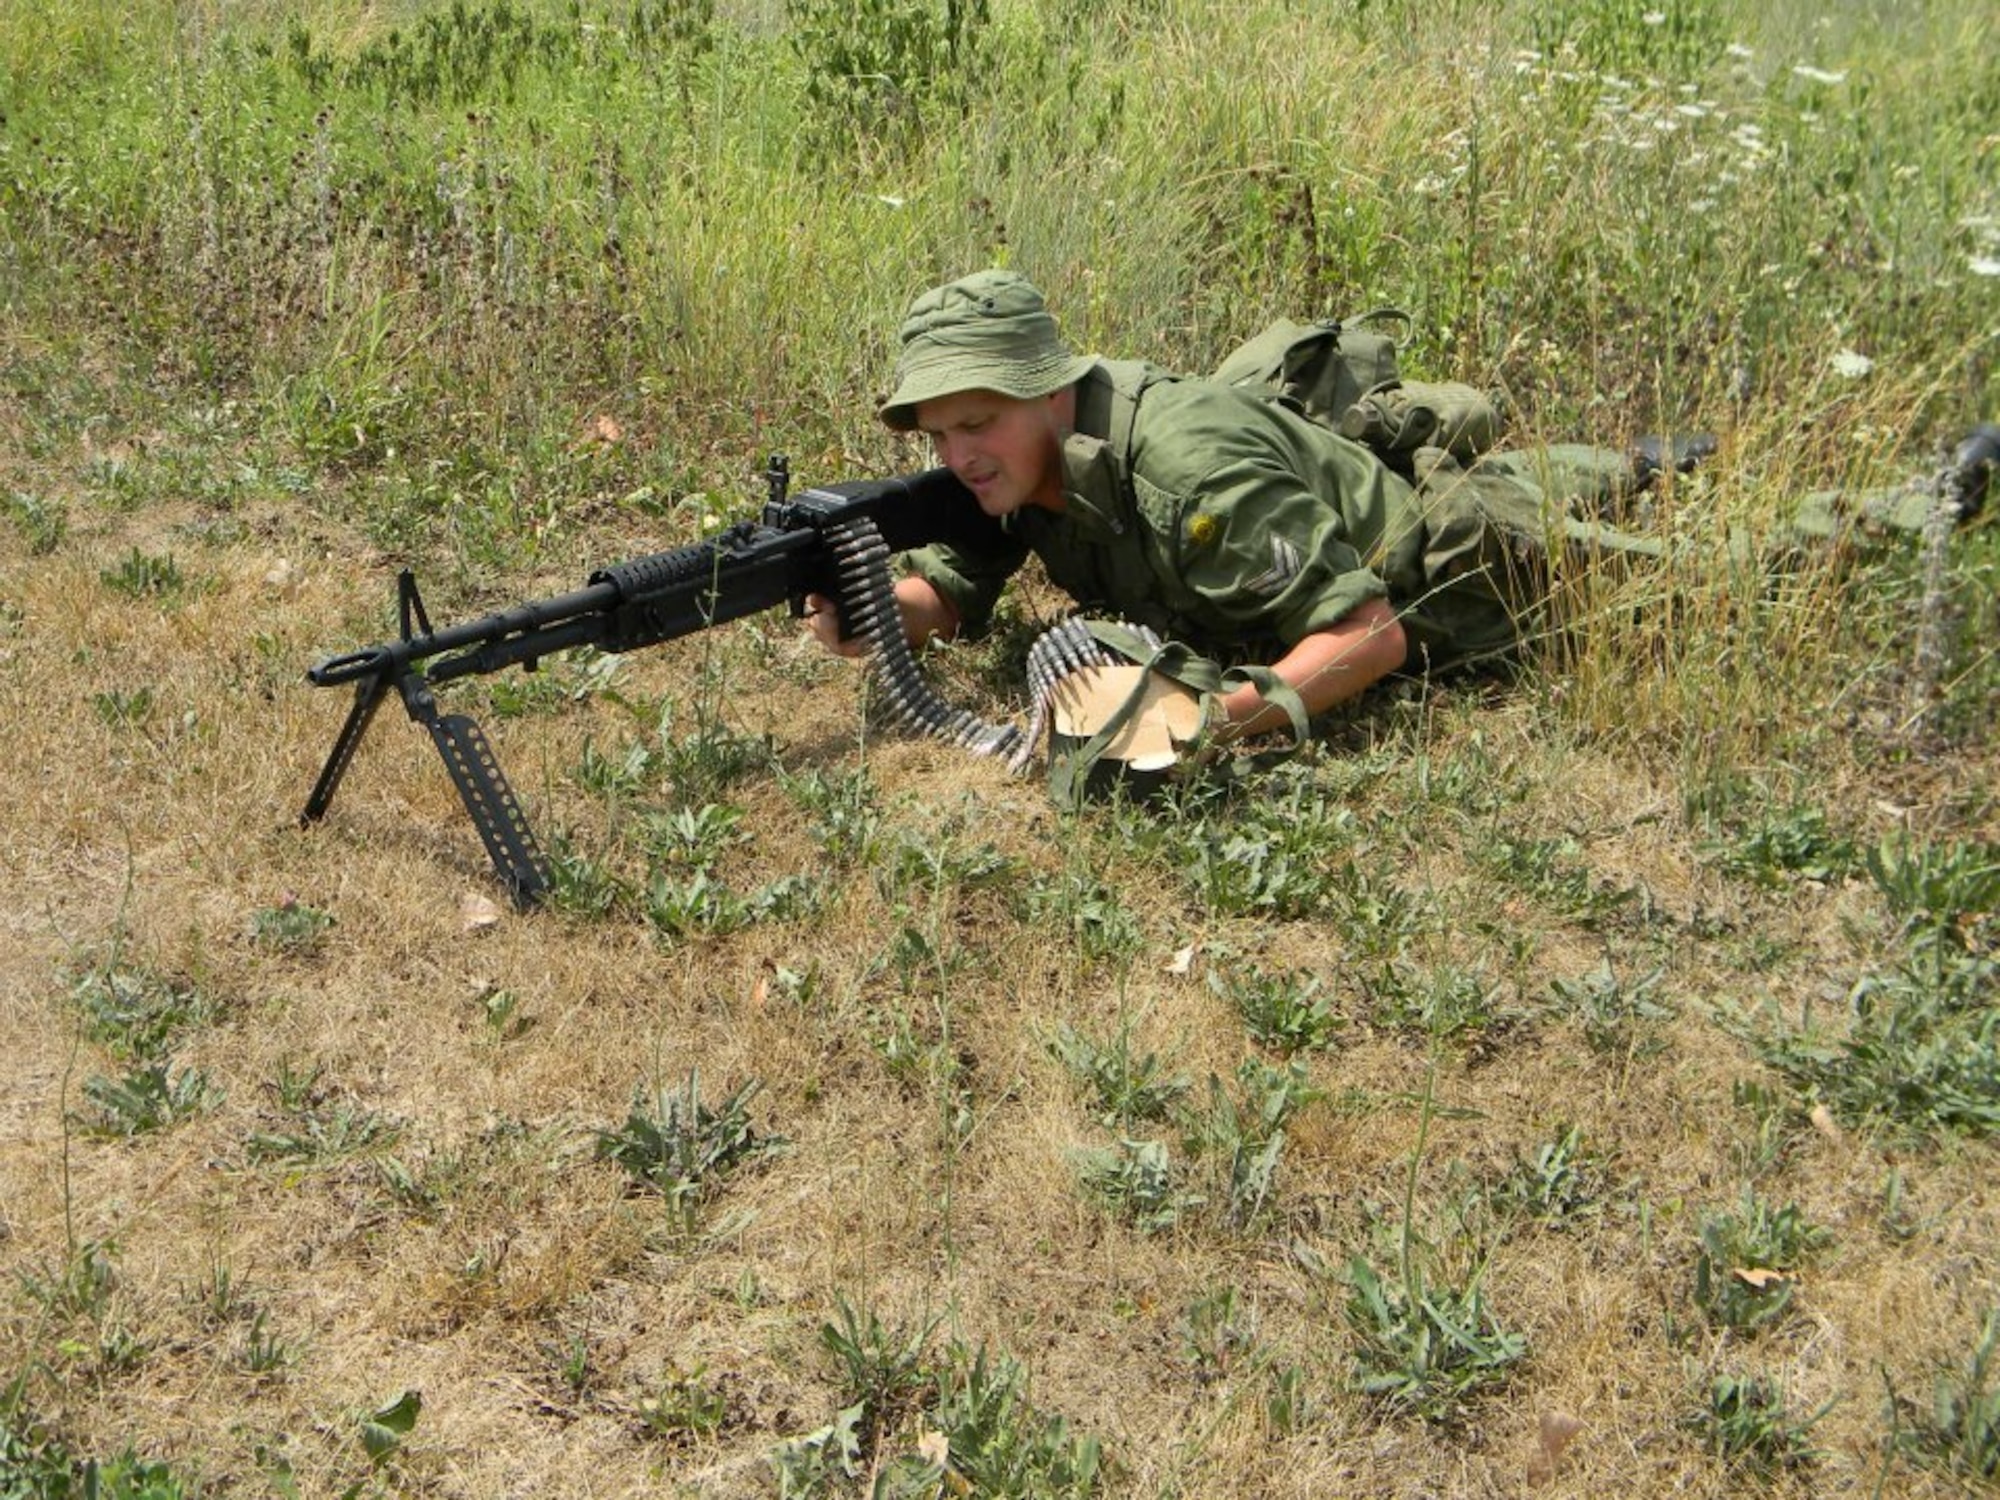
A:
[1344, 376]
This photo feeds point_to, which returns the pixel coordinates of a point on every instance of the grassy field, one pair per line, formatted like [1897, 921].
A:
[1585, 1081]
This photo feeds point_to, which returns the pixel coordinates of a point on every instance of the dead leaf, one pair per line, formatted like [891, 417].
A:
[760, 992]
[934, 1448]
[1558, 1427]
[605, 428]
[1824, 1122]
[1759, 1278]
[1182, 961]
[1553, 1435]
[477, 912]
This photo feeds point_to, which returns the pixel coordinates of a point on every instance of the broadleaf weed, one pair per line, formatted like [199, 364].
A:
[1000, 1443]
[683, 1147]
[291, 926]
[1424, 1348]
[1746, 1260]
[1137, 1181]
[683, 1404]
[1941, 893]
[883, 1368]
[321, 1137]
[1619, 1015]
[140, 575]
[44, 523]
[1747, 1422]
[1127, 1086]
[136, 1011]
[1961, 1429]
[1286, 1011]
[1554, 1186]
[148, 1098]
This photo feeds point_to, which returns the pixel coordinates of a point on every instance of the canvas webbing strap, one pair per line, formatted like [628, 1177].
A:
[1069, 772]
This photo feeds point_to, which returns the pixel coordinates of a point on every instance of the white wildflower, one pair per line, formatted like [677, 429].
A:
[1818, 75]
[1983, 265]
[1692, 111]
[1655, 18]
[1851, 364]
[1740, 52]
[891, 199]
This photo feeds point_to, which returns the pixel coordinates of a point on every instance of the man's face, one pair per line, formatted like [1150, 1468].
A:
[1007, 451]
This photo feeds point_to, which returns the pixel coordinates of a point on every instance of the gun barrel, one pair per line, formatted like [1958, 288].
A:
[393, 657]
[352, 666]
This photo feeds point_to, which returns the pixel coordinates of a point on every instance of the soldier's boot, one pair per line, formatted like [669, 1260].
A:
[1974, 463]
[1653, 455]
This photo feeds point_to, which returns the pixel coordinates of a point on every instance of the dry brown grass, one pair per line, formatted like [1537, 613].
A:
[944, 1186]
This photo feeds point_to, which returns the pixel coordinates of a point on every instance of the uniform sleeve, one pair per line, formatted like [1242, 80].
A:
[970, 580]
[1266, 556]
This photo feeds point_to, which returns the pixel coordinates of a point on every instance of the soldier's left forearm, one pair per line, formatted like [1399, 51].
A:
[1326, 667]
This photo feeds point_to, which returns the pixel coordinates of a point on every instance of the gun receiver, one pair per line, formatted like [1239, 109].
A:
[834, 541]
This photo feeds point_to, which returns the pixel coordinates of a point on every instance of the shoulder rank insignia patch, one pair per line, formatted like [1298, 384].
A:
[1285, 565]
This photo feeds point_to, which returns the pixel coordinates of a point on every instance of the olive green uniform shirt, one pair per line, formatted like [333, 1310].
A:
[1228, 521]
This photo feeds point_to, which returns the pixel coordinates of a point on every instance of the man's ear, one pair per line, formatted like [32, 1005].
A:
[1062, 408]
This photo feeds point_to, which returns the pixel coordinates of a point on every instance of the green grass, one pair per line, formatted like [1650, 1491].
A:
[1527, 1036]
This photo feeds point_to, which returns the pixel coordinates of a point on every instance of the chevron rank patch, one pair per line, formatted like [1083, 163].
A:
[1285, 565]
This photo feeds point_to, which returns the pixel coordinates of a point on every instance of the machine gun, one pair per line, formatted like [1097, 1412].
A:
[835, 541]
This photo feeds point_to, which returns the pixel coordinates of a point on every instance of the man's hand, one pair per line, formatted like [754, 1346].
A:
[927, 615]
[823, 623]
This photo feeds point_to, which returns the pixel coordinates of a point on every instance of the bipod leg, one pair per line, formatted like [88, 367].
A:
[368, 695]
[482, 787]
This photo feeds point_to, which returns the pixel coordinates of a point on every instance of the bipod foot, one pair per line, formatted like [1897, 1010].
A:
[482, 787]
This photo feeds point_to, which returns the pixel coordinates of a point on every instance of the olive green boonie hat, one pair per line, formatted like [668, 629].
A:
[990, 331]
